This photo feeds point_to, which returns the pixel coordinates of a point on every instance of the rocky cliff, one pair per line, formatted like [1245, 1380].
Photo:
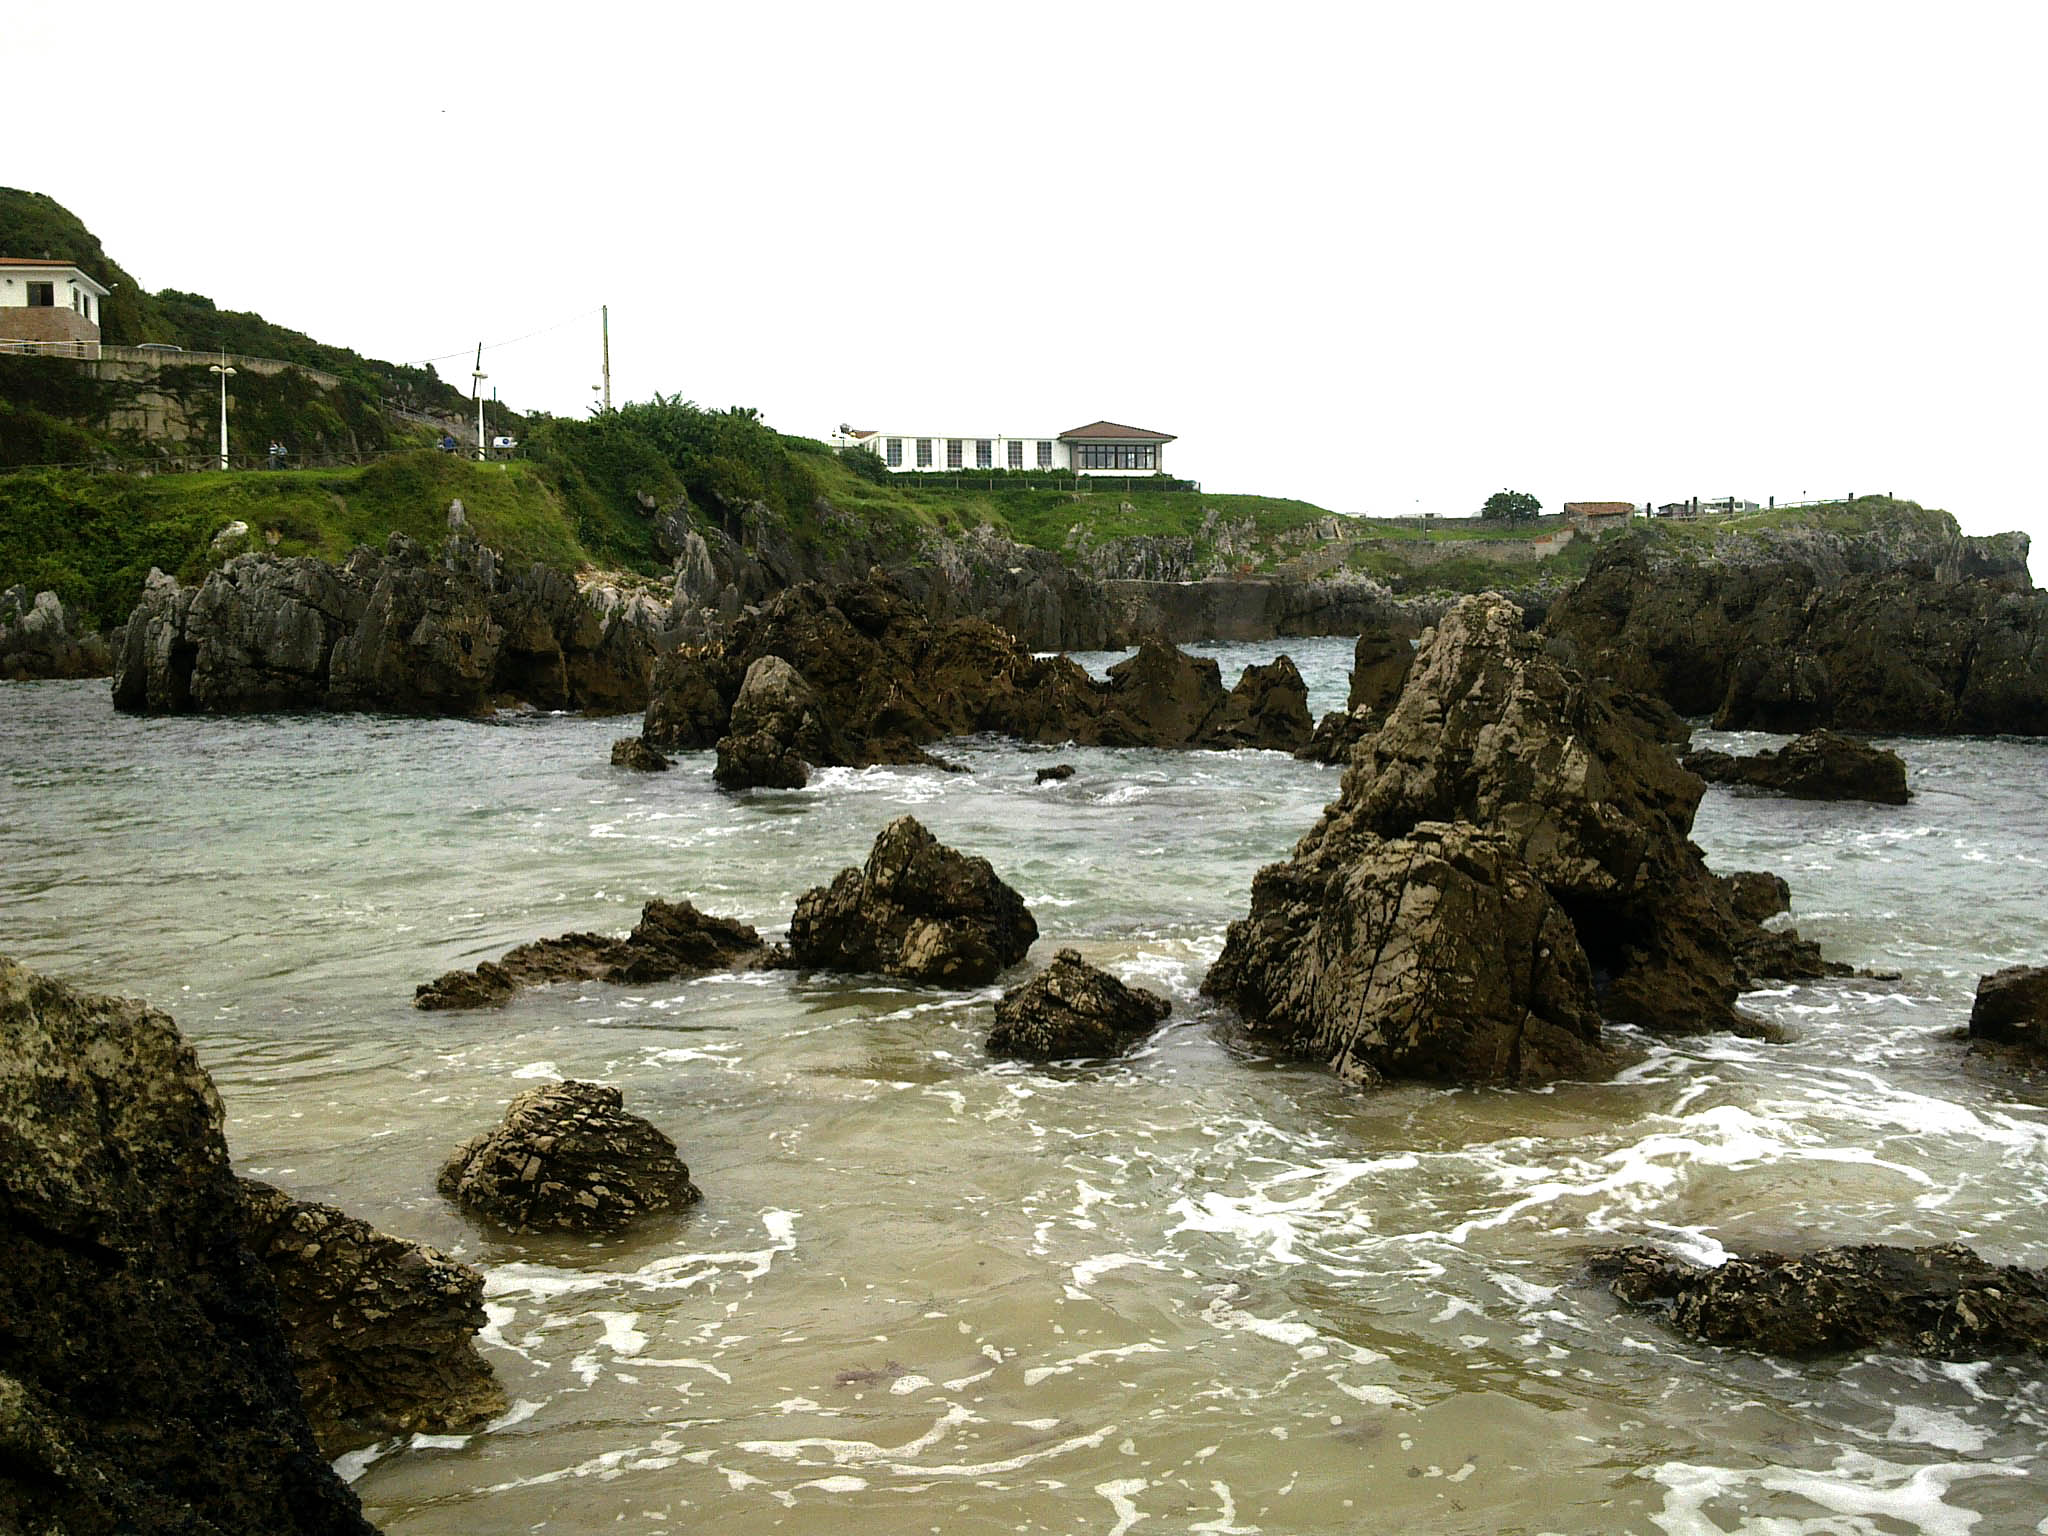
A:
[43, 637]
[1907, 626]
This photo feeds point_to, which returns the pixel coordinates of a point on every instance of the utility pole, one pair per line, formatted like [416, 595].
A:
[605, 311]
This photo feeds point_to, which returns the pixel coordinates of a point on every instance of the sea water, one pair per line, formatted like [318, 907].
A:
[1194, 1289]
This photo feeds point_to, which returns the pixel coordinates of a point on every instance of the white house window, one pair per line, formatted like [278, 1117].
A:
[894, 456]
[42, 295]
[1016, 455]
[952, 453]
[984, 453]
[1117, 456]
[924, 453]
[1045, 455]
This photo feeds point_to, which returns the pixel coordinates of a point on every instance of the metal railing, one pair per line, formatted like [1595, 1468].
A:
[162, 356]
[193, 462]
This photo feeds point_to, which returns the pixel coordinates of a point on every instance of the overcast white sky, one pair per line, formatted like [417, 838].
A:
[1384, 257]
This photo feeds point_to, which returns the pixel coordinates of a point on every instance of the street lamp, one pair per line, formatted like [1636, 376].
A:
[225, 373]
[477, 389]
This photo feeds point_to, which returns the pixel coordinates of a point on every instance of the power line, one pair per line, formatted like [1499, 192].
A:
[492, 346]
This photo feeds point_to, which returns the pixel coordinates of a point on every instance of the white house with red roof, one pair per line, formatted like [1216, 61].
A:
[1100, 448]
[48, 301]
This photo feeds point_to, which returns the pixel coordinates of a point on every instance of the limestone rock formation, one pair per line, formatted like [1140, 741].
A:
[2011, 1007]
[1944, 1302]
[671, 941]
[382, 1331]
[1911, 629]
[1756, 894]
[1267, 709]
[43, 637]
[1540, 775]
[1070, 1009]
[1820, 765]
[776, 732]
[1379, 668]
[633, 752]
[916, 909]
[568, 1157]
[393, 631]
[145, 1382]
[1437, 955]
[1337, 733]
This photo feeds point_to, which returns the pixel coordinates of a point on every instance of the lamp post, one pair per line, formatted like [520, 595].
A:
[225, 373]
[477, 389]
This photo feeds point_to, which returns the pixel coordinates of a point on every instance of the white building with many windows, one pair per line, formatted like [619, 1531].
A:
[1100, 448]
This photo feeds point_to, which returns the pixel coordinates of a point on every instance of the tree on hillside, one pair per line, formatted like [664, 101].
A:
[1511, 507]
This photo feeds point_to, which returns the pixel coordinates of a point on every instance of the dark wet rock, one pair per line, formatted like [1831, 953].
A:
[672, 940]
[145, 1380]
[1779, 954]
[1943, 1302]
[1057, 773]
[1757, 894]
[1379, 668]
[2012, 1007]
[918, 910]
[568, 1157]
[1908, 629]
[41, 636]
[690, 699]
[1070, 1009]
[1268, 709]
[382, 1331]
[393, 631]
[776, 732]
[1337, 733]
[1436, 955]
[1492, 732]
[1821, 765]
[633, 752]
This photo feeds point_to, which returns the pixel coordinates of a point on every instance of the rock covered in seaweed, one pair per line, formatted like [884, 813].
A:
[1943, 1301]
[1072, 1008]
[568, 1157]
[145, 1382]
[916, 909]
[1820, 765]
[382, 1331]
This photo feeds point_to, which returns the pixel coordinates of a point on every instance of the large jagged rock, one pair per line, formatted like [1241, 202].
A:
[1944, 1302]
[1908, 629]
[392, 631]
[145, 1380]
[776, 732]
[1070, 1009]
[916, 909]
[2011, 1007]
[567, 1157]
[886, 682]
[382, 1331]
[672, 940]
[1336, 734]
[41, 636]
[1379, 668]
[1435, 955]
[1491, 732]
[1820, 765]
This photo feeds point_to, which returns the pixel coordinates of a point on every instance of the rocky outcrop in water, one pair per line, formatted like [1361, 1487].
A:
[1943, 1302]
[634, 753]
[145, 1378]
[1565, 845]
[43, 637]
[2011, 1008]
[916, 909]
[1379, 667]
[672, 940]
[1336, 734]
[1820, 765]
[1908, 629]
[1073, 1009]
[382, 1331]
[395, 631]
[567, 1157]
[776, 731]
[876, 682]
[1757, 895]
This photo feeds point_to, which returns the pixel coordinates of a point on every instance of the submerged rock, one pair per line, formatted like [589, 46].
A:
[2011, 1007]
[567, 1157]
[1436, 955]
[1944, 1302]
[672, 940]
[1056, 774]
[918, 910]
[145, 1381]
[1820, 765]
[633, 752]
[1070, 1009]
[382, 1331]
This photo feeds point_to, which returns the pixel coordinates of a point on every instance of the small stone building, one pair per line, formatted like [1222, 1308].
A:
[44, 301]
